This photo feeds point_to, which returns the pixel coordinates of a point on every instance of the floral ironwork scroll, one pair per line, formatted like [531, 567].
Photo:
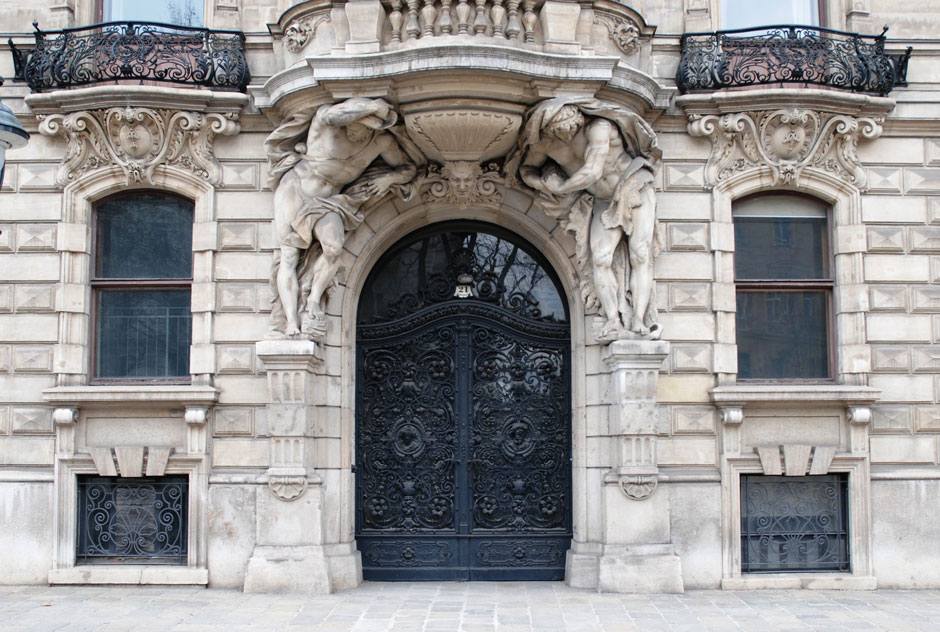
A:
[789, 54]
[142, 51]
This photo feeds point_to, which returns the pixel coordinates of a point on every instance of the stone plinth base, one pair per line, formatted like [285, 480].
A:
[288, 569]
[345, 565]
[644, 568]
[581, 564]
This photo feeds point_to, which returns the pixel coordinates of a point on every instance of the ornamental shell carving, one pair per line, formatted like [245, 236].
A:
[463, 133]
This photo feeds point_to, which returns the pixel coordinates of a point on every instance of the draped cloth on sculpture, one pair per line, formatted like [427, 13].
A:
[575, 210]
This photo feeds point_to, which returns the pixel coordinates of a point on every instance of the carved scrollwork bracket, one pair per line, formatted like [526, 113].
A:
[787, 141]
[138, 140]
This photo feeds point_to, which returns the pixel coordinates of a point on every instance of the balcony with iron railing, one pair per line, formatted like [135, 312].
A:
[788, 54]
[132, 52]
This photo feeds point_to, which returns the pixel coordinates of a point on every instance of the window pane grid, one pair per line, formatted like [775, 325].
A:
[794, 524]
[138, 520]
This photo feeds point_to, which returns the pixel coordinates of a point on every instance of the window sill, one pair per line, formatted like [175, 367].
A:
[741, 394]
[797, 581]
[139, 574]
[184, 395]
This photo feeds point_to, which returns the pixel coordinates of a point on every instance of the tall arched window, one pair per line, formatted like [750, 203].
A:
[783, 277]
[142, 280]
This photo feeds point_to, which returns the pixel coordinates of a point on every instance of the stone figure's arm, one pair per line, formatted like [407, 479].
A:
[354, 110]
[402, 171]
[595, 156]
[531, 169]
[393, 156]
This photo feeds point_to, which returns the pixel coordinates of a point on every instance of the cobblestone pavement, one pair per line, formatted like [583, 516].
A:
[471, 607]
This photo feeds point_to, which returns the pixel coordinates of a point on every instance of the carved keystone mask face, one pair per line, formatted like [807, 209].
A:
[135, 139]
[462, 175]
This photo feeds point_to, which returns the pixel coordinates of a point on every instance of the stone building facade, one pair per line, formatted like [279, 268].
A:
[450, 372]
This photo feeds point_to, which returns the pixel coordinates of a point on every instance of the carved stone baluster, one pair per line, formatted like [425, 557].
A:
[414, 28]
[528, 21]
[445, 23]
[428, 14]
[463, 17]
[513, 27]
[498, 15]
[396, 19]
[479, 23]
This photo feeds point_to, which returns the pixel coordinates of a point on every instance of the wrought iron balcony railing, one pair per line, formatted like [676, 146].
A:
[122, 51]
[789, 54]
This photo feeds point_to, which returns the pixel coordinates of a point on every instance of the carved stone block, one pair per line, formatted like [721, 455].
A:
[926, 359]
[35, 298]
[925, 239]
[236, 297]
[35, 237]
[31, 420]
[688, 236]
[241, 176]
[234, 421]
[923, 180]
[925, 299]
[6, 237]
[238, 236]
[688, 297]
[684, 177]
[6, 299]
[32, 359]
[886, 239]
[884, 180]
[691, 358]
[693, 420]
[888, 298]
[235, 358]
[37, 177]
[891, 418]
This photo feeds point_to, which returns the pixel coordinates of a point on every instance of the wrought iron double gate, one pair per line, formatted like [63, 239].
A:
[463, 444]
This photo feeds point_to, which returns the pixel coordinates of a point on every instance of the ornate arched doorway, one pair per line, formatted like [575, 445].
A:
[463, 410]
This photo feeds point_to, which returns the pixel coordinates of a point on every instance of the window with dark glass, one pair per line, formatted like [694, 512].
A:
[783, 277]
[142, 284]
[132, 520]
[794, 523]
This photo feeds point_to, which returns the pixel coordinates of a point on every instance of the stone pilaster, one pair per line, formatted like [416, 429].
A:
[288, 554]
[638, 555]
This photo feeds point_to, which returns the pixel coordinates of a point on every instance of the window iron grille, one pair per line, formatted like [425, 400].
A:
[132, 520]
[794, 524]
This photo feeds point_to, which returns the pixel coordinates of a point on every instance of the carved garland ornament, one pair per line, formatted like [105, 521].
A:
[787, 141]
[138, 140]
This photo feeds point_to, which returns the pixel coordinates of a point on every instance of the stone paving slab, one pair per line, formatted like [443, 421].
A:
[466, 607]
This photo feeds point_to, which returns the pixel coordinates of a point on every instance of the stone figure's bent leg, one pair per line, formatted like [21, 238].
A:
[640, 246]
[604, 242]
[330, 233]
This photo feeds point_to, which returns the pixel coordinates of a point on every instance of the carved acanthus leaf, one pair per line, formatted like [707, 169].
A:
[787, 141]
[138, 140]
